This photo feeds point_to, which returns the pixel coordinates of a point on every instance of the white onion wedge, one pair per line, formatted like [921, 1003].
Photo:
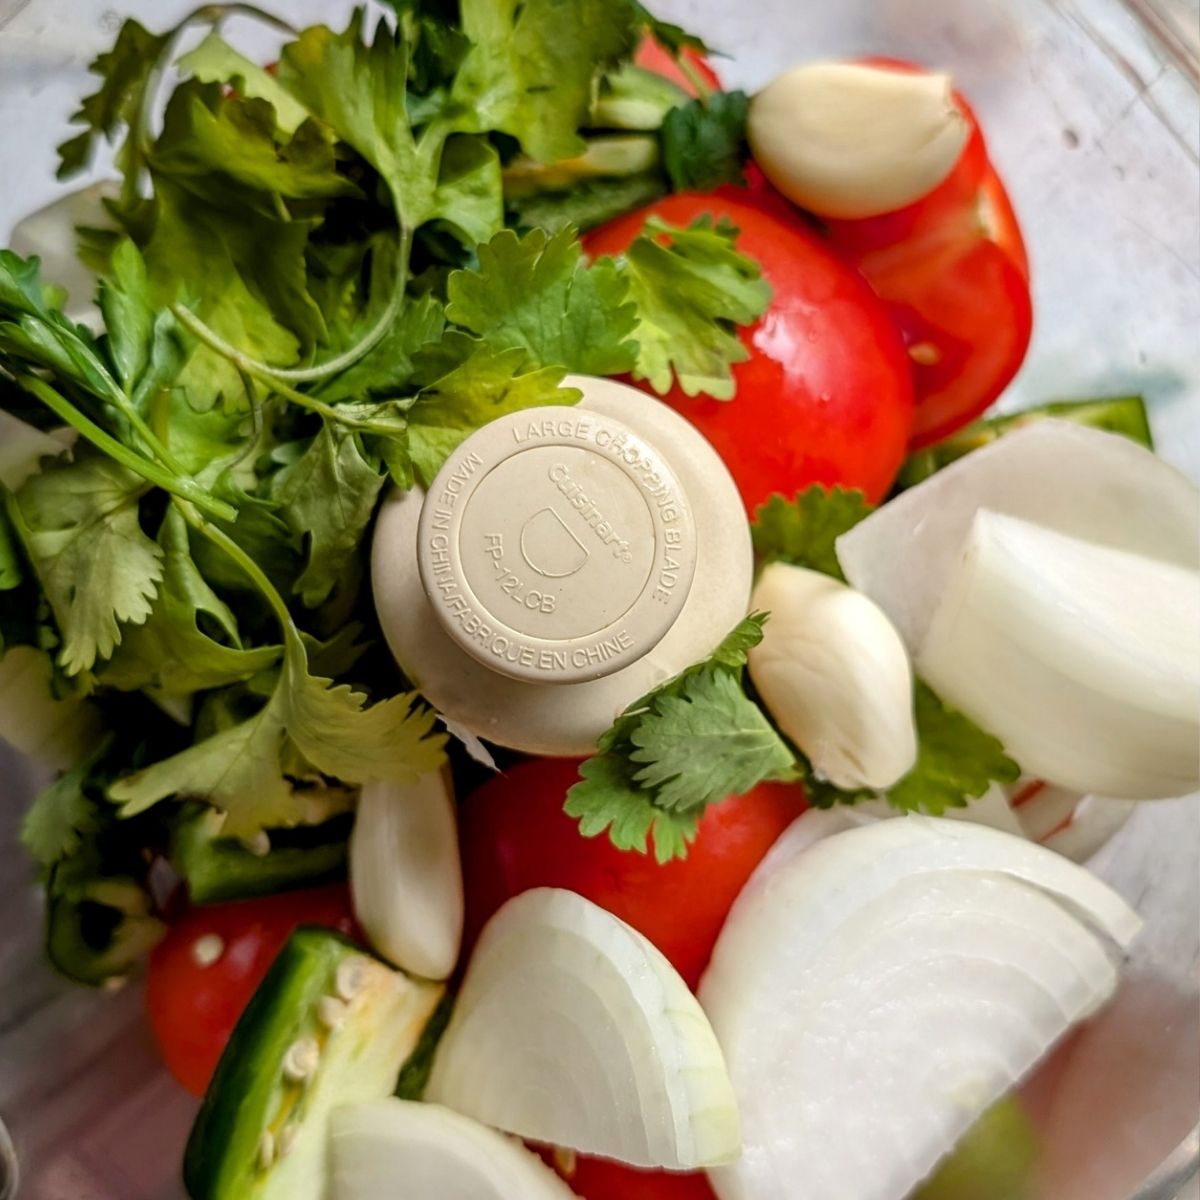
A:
[406, 875]
[1084, 482]
[877, 991]
[572, 1029]
[1082, 659]
[426, 1152]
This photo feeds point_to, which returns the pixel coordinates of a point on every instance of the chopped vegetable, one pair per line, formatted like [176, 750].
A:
[204, 972]
[1084, 659]
[693, 741]
[898, 976]
[328, 1026]
[632, 1071]
[436, 1152]
[1081, 482]
[516, 836]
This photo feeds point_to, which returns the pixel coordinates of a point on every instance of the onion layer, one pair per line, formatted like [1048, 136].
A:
[401, 1148]
[1082, 659]
[572, 1029]
[877, 990]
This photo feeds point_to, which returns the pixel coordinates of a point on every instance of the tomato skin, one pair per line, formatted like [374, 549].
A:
[515, 836]
[193, 1008]
[954, 271]
[650, 56]
[825, 395]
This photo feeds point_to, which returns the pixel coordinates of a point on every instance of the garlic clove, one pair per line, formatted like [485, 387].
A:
[405, 874]
[833, 672]
[847, 140]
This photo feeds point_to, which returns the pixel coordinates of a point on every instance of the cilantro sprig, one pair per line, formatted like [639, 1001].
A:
[691, 742]
[309, 295]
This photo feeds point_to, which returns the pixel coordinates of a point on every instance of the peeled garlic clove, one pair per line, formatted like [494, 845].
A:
[834, 674]
[405, 874]
[846, 140]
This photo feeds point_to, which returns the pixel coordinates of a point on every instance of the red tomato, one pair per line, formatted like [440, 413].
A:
[653, 57]
[595, 1179]
[515, 836]
[193, 1007]
[826, 393]
[955, 274]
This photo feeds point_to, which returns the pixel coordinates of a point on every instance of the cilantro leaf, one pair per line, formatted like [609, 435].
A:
[236, 770]
[126, 72]
[803, 531]
[230, 150]
[956, 760]
[608, 799]
[535, 292]
[487, 384]
[706, 742]
[214, 60]
[532, 66]
[228, 272]
[689, 295]
[703, 142]
[328, 496]
[171, 654]
[63, 813]
[693, 741]
[389, 367]
[239, 769]
[79, 524]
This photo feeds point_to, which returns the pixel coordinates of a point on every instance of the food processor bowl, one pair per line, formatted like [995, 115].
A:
[1092, 113]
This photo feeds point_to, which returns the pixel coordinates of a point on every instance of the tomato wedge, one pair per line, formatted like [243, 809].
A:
[515, 836]
[825, 394]
[954, 272]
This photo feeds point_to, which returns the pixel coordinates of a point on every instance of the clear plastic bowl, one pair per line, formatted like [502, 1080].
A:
[1092, 113]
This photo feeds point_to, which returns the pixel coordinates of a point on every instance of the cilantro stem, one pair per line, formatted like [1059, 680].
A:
[268, 375]
[248, 566]
[139, 133]
[152, 472]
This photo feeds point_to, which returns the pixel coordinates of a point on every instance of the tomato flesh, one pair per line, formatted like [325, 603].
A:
[825, 394]
[192, 1004]
[954, 272]
[515, 836]
[650, 56]
[596, 1179]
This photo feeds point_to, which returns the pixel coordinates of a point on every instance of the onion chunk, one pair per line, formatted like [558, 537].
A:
[876, 990]
[401, 1148]
[572, 1029]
